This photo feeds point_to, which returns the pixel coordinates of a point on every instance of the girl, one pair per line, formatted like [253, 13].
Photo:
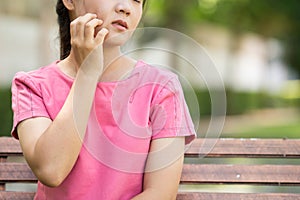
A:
[87, 133]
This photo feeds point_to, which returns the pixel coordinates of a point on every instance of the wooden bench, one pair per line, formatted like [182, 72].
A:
[250, 168]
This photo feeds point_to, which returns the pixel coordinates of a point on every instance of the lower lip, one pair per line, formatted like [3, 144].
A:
[119, 27]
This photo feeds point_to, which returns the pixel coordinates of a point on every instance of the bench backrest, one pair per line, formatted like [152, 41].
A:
[12, 171]
[250, 168]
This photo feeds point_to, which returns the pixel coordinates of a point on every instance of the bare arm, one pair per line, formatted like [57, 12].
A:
[163, 170]
[51, 147]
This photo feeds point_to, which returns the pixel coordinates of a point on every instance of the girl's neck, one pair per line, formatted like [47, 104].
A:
[115, 65]
[110, 56]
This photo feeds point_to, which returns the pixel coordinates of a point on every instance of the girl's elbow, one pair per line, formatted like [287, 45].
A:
[50, 178]
[51, 182]
[171, 196]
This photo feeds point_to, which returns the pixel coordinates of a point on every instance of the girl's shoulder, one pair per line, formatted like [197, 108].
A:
[155, 72]
[45, 73]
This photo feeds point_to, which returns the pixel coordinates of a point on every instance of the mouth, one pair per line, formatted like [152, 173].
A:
[120, 24]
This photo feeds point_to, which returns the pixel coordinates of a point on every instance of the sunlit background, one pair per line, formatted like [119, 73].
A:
[253, 43]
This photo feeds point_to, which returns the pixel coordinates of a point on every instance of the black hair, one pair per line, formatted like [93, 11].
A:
[64, 28]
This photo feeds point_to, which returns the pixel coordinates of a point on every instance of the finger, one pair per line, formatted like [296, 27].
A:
[81, 25]
[89, 31]
[73, 32]
[78, 26]
[101, 35]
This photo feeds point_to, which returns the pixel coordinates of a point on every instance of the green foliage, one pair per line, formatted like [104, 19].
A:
[270, 18]
[173, 15]
[6, 112]
[238, 102]
[241, 102]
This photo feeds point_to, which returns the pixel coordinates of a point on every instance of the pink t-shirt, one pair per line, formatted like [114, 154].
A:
[125, 117]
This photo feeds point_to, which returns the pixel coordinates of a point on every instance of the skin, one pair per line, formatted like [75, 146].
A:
[53, 146]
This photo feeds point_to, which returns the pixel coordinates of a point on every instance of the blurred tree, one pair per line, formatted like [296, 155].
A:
[270, 18]
[169, 15]
[177, 15]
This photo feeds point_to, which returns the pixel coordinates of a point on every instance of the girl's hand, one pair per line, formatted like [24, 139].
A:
[87, 45]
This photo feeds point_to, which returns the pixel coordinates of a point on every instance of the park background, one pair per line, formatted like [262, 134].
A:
[254, 45]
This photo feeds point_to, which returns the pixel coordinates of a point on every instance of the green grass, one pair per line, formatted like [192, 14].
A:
[291, 130]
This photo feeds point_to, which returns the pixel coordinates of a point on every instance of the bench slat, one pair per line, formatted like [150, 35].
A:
[210, 147]
[245, 148]
[16, 195]
[205, 173]
[16, 172]
[259, 174]
[9, 146]
[237, 196]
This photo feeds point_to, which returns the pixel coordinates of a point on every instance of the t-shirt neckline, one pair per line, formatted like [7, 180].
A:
[132, 73]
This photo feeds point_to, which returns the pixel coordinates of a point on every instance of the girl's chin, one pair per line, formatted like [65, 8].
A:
[117, 39]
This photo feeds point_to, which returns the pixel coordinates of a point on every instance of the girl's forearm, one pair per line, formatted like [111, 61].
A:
[58, 148]
[146, 195]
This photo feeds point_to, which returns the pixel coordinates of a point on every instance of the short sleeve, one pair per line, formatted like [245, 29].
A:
[169, 114]
[27, 101]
